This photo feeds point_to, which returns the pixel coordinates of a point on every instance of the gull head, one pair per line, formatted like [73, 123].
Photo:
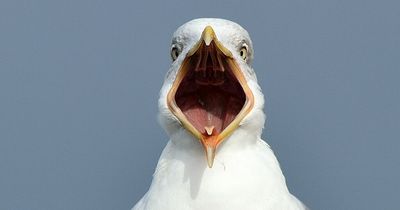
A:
[211, 90]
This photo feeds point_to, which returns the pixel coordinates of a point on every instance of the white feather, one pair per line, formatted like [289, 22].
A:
[246, 173]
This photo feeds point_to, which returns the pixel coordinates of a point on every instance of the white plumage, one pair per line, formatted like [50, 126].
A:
[245, 173]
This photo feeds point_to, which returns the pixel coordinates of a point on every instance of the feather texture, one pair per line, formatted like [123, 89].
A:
[246, 173]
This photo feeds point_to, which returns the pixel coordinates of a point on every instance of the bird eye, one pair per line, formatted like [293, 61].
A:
[243, 52]
[174, 53]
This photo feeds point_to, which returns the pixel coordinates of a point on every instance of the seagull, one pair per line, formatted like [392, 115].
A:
[211, 106]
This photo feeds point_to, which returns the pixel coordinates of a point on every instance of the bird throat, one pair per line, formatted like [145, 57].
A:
[209, 95]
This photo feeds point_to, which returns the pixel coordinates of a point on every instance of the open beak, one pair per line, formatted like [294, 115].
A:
[210, 95]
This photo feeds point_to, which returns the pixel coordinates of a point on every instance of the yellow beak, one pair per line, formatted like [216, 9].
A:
[210, 142]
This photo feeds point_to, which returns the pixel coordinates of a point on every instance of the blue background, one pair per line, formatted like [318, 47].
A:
[79, 83]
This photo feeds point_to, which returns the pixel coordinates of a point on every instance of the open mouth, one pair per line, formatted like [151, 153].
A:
[210, 95]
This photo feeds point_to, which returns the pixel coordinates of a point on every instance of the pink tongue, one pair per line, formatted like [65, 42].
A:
[210, 108]
[213, 110]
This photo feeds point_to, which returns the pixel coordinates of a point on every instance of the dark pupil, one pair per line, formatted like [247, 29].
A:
[241, 53]
[176, 53]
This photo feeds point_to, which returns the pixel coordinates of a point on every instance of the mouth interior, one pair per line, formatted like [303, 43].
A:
[209, 95]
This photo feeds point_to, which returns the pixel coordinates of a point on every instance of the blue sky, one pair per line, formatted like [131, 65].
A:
[79, 84]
